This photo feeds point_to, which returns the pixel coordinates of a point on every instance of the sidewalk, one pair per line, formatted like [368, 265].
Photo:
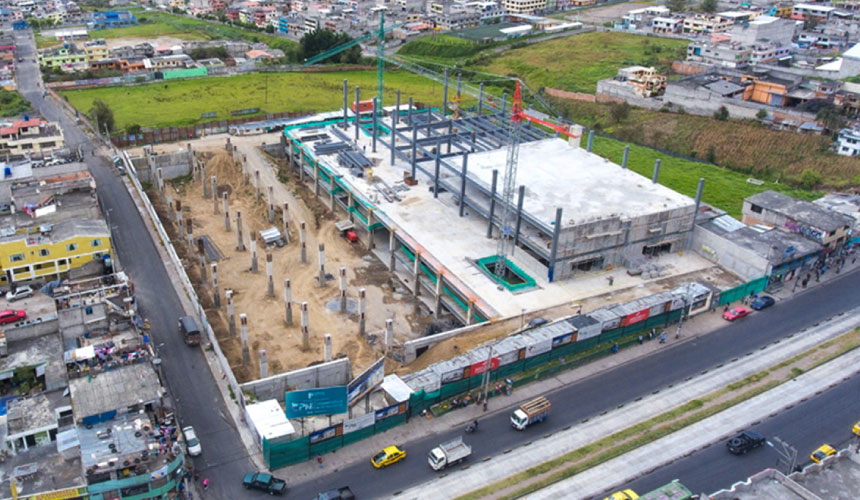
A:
[504, 465]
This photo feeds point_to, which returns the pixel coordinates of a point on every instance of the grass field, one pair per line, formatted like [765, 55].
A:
[724, 188]
[741, 145]
[576, 63]
[180, 103]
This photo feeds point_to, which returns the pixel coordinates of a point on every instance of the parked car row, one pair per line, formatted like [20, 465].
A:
[737, 312]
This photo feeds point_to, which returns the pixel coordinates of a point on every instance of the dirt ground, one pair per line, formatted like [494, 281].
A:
[600, 15]
[132, 40]
[266, 322]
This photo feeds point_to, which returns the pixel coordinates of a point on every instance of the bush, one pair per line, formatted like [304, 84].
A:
[721, 114]
[762, 114]
[810, 178]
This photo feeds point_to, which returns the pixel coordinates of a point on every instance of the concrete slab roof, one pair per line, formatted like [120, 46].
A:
[773, 242]
[837, 478]
[583, 184]
[114, 389]
[54, 471]
[26, 415]
[802, 211]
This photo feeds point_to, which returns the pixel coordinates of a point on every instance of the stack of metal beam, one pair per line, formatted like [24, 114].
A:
[354, 161]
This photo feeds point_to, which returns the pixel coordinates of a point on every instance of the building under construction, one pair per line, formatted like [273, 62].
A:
[423, 189]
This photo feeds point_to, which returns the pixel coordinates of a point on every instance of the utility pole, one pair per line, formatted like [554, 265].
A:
[787, 453]
[684, 310]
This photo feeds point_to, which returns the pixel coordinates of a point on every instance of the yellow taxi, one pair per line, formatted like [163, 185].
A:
[388, 456]
[823, 451]
[623, 495]
[856, 428]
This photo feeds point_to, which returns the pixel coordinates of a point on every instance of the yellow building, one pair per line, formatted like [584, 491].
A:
[96, 50]
[52, 250]
[53, 225]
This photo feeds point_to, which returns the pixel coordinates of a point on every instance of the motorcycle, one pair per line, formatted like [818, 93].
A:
[472, 427]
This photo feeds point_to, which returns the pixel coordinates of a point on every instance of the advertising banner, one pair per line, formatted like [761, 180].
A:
[636, 317]
[324, 434]
[539, 347]
[357, 423]
[481, 366]
[320, 401]
[562, 339]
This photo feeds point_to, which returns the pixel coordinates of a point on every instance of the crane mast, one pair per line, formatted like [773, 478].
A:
[505, 245]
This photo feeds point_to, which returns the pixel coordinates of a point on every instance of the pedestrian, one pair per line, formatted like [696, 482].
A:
[319, 461]
[663, 338]
[206, 484]
[640, 340]
[726, 309]
[196, 476]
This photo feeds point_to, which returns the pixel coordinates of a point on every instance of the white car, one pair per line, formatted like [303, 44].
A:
[191, 441]
[21, 292]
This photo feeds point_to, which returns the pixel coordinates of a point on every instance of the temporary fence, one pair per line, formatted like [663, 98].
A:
[739, 292]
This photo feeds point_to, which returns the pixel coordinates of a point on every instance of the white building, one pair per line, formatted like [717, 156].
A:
[524, 6]
[848, 143]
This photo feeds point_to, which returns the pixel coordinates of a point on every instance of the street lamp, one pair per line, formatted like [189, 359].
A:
[787, 453]
[686, 302]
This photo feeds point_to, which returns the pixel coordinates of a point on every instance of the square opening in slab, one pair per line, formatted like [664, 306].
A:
[514, 278]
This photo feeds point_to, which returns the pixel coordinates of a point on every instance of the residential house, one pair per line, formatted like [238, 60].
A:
[258, 55]
[722, 54]
[96, 50]
[645, 82]
[848, 142]
[218, 5]
[666, 25]
[66, 56]
[706, 23]
[524, 6]
[827, 228]
[31, 136]
[807, 11]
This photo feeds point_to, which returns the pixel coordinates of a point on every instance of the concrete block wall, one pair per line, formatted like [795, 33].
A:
[172, 165]
[32, 329]
[333, 373]
[741, 261]
[75, 321]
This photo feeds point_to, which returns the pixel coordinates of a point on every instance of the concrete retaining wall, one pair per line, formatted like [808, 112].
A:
[411, 347]
[329, 374]
[32, 329]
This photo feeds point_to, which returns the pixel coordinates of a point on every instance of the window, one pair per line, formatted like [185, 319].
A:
[18, 257]
[755, 208]
[71, 247]
[96, 243]
[44, 252]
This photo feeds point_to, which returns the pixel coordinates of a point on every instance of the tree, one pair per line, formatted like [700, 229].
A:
[677, 5]
[102, 113]
[721, 114]
[711, 155]
[709, 6]
[810, 178]
[831, 119]
[762, 114]
[132, 129]
[319, 41]
[270, 28]
[619, 111]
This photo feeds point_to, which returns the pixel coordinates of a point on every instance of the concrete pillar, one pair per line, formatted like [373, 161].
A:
[624, 158]
[179, 215]
[305, 336]
[321, 277]
[553, 251]
[519, 219]
[349, 205]
[362, 311]
[463, 184]
[288, 301]
[243, 329]
[370, 222]
[357, 115]
[656, 174]
[575, 138]
[470, 312]
[389, 334]
[303, 242]
[327, 347]
[331, 186]
[240, 246]
[316, 178]
[189, 235]
[264, 364]
[225, 205]
[437, 298]
[216, 293]
[492, 203]
[258, 185]
[271, 196]
[392, 242]
[301, 165]
[286, 216]
[416, 268]
[699, 190]
[345, 105]
[203, 181]
[270, 274]
[342, 276]
[159, 183]
[231, 313]
[252, 241]
[170, 213]
[201, 259]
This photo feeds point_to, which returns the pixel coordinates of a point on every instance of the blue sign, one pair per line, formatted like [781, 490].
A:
[321, 401]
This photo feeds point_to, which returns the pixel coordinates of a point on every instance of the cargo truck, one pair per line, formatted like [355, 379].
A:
[448, 453]
[536, 410]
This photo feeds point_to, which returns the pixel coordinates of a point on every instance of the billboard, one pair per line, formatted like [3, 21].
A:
[636, 317]
[320, 401]
[366, 381]
[481, 366]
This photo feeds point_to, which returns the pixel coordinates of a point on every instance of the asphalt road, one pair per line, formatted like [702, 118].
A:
[224, 459]
[826, 418]
[603, 390]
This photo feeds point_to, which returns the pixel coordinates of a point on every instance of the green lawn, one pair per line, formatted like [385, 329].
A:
[577, 62]
[725, 189]
[180, 103]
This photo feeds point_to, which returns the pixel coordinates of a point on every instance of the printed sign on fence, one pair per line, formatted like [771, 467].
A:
[320, 401]
[358, 423]
[366, 381]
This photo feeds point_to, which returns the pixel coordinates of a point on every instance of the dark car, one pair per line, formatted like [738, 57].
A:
[762, 302]
[264, 482]
[744, 442]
